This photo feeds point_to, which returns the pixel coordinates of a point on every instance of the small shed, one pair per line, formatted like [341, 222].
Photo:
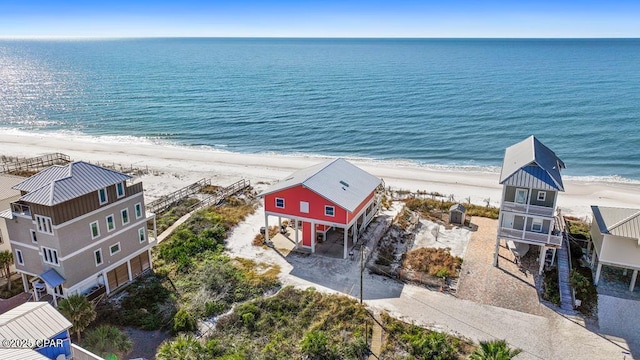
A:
[457, 214]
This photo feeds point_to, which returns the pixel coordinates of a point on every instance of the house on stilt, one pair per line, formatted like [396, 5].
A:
[331, 196]
[531, 182]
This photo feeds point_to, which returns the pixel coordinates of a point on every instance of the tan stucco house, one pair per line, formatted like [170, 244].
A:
[79, 228]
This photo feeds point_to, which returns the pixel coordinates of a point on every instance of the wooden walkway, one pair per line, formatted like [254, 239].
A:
[167, 200]
[564, 269]
[377, 338]
[36, 163]
[213, 200]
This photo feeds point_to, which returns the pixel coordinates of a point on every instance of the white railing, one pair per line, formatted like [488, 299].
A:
[527, 209]
[530, 236]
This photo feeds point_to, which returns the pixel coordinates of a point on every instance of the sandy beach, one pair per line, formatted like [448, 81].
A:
[174, 167]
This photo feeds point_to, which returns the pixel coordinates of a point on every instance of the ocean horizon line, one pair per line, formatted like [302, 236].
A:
[165, 37]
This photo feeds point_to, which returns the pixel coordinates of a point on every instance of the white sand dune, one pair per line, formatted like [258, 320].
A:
[181, 166]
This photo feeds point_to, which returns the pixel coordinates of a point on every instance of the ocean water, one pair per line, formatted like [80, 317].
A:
[437, 102]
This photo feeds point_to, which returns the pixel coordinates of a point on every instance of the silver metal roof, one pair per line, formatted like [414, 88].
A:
[531, 152]
[337, 180]
[58, 184]
[32, 320]
[617, 221]
[21, 354]
[7, 182]
[458, 208]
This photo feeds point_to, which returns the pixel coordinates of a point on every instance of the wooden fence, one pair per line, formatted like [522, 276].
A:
[34, 164]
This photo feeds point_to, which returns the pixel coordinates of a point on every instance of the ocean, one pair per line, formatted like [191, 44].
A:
[446, 103]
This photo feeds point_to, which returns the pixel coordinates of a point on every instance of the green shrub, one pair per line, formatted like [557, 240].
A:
[184, 321]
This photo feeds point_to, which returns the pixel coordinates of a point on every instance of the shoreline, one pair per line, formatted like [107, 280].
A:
[181, 166]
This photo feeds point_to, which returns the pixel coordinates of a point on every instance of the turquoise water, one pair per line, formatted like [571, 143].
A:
[435, 102]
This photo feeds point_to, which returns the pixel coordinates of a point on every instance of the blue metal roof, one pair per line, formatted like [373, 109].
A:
[532, 176]
[52, 278]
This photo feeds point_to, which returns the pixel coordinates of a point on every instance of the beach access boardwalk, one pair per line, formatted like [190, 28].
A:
[33, 164]
[211, 200]
[564, 269]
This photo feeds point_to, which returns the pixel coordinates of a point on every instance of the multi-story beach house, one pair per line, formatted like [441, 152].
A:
[331, 195]
[531, 182]
[37, 331]
[7, 196]
[79, 228]
[615, 235]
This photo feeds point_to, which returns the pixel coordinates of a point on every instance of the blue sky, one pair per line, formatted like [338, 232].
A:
[328, 18]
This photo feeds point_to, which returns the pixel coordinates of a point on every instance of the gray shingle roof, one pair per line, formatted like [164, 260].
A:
[58, 184]
[337, 180]
[458, 208]
[617, 221]
[531, 152]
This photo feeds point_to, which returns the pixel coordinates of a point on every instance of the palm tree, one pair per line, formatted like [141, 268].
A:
[106, 339]
[79, 311]
[6, 259]
[494, 350]
[184, 347]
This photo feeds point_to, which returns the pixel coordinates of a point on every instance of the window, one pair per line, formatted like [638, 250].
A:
[138, 208]
[111, 223]
[50, 256]
[120, 189]
[280, 203]
[125, 216]
[304, 207]
[19, 258]
[95, 229]
[536, 225]
[329, 210]
[542, 195]
[34, 237]
[114, 249]
[102, 196]
[98, 257]
[521, 196]
[141, 235]
[44, 224]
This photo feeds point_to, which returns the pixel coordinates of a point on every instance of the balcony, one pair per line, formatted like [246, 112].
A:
[530, 237]
[527, 209]
[20, 209]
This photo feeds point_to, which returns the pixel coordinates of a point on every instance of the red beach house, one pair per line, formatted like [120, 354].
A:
[333, 194]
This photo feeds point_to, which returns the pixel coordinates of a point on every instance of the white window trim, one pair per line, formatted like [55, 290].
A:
[537, 221]
[122, 216]
[304, 207]
[544, 196]
[106, 219]
[283, 203]
[135, 209]
[333, 210]
[19, 256]
[142, 236]
[34, 235]
[106, 196]
[44, 224]
[526, 194]
[53, 251]
[118, 195]
[111, 246]
[95, 258]
[97, 224]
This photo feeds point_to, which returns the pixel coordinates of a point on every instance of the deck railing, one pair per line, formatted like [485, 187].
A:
[527, 209]
[164, 202]
[222, 194]
[21, 209]
[530, 236]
